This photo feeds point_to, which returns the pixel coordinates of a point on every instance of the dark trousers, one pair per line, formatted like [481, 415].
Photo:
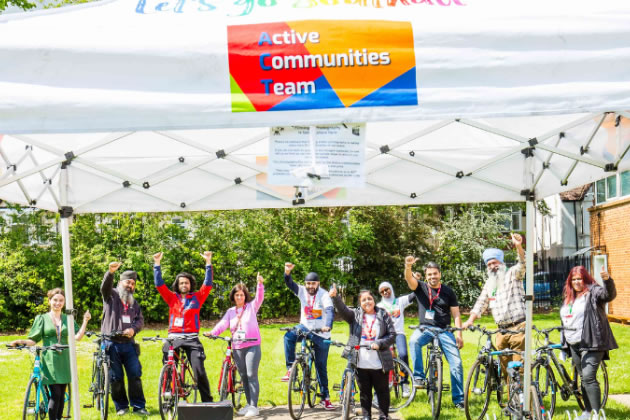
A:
[125, 355]
[379, 381]
[587, 363]
[196, 356]
[55, 403]
[401, 347]
[320, 348]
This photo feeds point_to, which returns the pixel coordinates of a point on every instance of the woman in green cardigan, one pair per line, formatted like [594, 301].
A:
[52, 328]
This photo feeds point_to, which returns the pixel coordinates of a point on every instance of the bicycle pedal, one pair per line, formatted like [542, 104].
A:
[337, 387]
[88, 405]
[446, 387]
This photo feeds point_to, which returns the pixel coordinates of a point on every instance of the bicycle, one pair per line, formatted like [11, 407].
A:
[548, 385]
[229, 378]
[174, 385]
[99, 387]
[37, 394]
[434, 368]
[303, 378]
[397, 375]
[348, 387]
[484, 376]
[514, 409]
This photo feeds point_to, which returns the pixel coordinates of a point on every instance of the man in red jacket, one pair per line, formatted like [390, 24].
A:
[183, 316]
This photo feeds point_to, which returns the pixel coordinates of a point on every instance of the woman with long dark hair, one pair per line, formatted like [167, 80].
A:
[590, 338]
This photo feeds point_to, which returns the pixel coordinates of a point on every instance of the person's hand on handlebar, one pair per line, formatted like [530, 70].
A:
[374, 346]
[129, 332]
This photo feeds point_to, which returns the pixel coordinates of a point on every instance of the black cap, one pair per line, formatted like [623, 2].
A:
[311, 277]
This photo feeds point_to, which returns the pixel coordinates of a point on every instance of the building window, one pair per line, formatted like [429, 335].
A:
[614, 186]
[513, 218]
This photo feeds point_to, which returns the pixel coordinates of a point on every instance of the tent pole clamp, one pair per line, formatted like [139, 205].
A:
[69, 158]
[610, 167]
[298, 197]
[384, 149]
[529, 195]
[221, 154]
[66, 211]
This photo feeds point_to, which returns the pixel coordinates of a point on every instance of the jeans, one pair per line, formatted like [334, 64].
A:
[196, 356]
[587, 363]
[124, 354]
[247, 361]
[450, 351]
[401, 348]
[321, 357]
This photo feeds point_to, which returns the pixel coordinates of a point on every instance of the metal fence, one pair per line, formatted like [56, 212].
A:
[550, 274]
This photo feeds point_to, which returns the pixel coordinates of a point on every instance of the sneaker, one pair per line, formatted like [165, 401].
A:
[122, 411]
[595, 415]
[406, 392]
[251, 411]
[328, 405]
[420, 383]
[286, 377]
[460, 406]
[141, 411]
[243, 410]
[585, 416]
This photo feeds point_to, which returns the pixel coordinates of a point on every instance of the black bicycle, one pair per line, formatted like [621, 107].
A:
[548, 384]
[303, 379]
[484, 376]
[434, 367]
[515, 407]
[99, 387]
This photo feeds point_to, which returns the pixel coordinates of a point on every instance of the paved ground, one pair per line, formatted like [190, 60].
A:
[282, 412]
[622, 399]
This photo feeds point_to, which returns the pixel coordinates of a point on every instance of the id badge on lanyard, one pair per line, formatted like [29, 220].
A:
[429, 315]
[126, 319]
[178, 322]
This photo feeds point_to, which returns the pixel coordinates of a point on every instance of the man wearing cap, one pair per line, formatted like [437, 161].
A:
[316, 312]
[121, 313]
[504, 293]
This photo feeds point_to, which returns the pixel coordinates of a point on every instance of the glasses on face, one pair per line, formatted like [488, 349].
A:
[382, 292]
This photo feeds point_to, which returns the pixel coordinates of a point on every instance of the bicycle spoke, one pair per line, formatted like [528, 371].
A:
[31, 409]
[296, 391]
[478, 390]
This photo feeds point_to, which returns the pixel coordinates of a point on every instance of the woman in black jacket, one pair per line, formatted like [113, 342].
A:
[591, 340]
[370, 325]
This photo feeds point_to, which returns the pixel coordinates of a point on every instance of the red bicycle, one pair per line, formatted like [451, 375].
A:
[230, 380]
[176, 378]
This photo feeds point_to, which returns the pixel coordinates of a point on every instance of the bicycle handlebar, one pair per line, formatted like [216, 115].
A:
[230, 339]
[115, 334]
[432, 328]
[54, 347]
[356, 347]
[488, 332]
[170, 340]
[300, 331]
[547, 331]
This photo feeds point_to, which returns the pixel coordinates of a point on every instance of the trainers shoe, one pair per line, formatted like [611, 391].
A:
[328, 405]
[460, 406]
[595, 415]
[141, 411]
[243, 410]
[585, 416]
[251, 411]
[122, 411]
[420, 383]
[406, 392]
[285, 378]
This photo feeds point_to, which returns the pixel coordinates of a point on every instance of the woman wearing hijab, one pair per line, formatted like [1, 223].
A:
[395, 307]
[590, 338]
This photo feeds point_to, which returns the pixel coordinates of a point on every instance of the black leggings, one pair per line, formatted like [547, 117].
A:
[55, 403]
[379, 380]
[587, 363]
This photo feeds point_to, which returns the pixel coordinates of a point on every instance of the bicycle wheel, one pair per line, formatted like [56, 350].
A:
[188, 384]
[544, 379]
[478, 389]
[31, 409]
[602, 379]
[434, 386]
[167, 393]
[238, 391]
[314, 393]
[296, 392]
[535, 409]
[397, 377]
[347, 396]
[67, 400]
[103, 390]
[223, 382]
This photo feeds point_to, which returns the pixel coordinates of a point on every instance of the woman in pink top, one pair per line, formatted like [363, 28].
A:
[242, 322]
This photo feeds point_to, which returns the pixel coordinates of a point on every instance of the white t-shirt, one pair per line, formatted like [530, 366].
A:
[370, 330]
[397, 308]
[313, 309]
[573, 317]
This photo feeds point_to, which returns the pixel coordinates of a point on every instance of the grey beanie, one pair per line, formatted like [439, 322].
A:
[129, 274]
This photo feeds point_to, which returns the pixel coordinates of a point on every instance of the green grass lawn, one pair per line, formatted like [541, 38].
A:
[16, 368]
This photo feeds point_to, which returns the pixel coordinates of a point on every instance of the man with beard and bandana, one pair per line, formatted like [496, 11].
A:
[316, 312]
[121, 313]
[184, 305]
[504, 293]
[437, 304]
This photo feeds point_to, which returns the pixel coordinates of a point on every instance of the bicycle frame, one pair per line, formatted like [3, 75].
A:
[177, 377]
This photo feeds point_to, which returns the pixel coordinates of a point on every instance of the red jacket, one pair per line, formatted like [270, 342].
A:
[183, 311]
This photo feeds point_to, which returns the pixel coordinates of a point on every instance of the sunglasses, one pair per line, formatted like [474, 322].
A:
[384, 290]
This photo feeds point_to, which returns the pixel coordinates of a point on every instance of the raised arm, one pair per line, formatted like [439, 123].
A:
[158, 281]
[207, 285]
[86, 317]
[517, 241]
[108, 280]
[288, 280]
[346, 313]
[412, 281]
[260, 292]
[609, 291]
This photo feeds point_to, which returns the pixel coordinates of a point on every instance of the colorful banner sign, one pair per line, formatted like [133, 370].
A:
[321, 64]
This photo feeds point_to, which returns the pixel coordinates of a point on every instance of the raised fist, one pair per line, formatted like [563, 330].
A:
[113, 266]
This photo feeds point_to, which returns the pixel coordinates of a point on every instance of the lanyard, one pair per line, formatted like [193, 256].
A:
[392, 307]
[431, 298]
[126, 307]
[238, 317]
[369, 332]
[312, 302]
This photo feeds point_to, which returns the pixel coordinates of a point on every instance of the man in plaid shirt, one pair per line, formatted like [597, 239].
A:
[505, 294]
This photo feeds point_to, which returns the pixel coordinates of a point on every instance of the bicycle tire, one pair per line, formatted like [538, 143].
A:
[602, 367]
[346, 397]
[434, 387]
[397, 400]
[104, 391]
[31, 409]
[223, 382]
[296, 391]
[547, 385]
[535, 408]
[602, 378]
[94, 385]
[167, 395]
[238, 391]
[313, 388]
[478, 383]
[188, 384]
